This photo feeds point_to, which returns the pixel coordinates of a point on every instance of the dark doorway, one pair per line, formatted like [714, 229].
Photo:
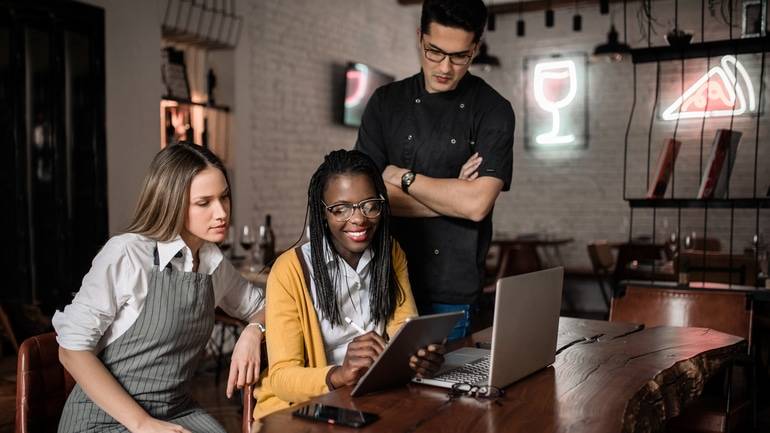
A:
[53, 164]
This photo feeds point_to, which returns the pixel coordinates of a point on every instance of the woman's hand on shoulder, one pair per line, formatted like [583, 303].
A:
[427, 361]
[244, 365]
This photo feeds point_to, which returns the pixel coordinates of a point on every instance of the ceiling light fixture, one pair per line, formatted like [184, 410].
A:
[614, 50]
[485, 60]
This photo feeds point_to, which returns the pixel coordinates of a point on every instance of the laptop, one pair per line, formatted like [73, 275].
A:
[524, 332]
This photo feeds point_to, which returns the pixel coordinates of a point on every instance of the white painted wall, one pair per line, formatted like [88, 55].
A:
[133, 81]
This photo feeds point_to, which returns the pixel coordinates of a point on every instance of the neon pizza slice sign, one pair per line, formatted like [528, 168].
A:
[718, 93]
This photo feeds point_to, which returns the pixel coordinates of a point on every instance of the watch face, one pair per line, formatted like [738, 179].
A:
[407, 180]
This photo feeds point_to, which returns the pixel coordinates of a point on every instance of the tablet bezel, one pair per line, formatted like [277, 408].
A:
[392, 367]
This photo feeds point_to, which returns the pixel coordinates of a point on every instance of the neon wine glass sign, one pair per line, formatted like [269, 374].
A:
[718, 93]
[547, 76]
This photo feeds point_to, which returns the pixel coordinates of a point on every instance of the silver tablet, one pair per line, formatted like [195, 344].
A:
[392, 367]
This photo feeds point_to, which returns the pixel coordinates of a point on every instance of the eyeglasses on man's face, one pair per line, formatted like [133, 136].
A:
[370, 208]
[437, 55]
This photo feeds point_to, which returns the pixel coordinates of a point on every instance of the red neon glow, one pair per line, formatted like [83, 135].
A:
[720, 92]
[713, 95]
[357, 80]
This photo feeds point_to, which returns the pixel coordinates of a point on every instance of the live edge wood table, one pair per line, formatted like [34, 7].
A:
[608, 377]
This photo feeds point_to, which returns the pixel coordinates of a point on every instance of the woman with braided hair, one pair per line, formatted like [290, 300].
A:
[351, 269]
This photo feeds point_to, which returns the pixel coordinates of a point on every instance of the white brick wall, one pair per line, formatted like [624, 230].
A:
[285, 109]
[285, 117]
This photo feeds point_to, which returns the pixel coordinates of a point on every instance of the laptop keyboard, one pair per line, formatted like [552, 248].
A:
[474, 373]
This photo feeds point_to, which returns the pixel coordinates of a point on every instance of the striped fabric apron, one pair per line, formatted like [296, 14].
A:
[156, 358]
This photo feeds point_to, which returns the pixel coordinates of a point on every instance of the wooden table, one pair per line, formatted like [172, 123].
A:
[609, 377]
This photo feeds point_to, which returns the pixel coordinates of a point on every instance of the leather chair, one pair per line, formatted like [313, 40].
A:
[42, 385]
[724, 311]
[248, 408]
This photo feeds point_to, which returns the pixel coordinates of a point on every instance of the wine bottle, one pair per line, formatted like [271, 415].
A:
[267, 241]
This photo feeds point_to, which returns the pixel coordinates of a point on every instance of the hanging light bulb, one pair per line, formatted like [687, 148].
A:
[520, 30]
[577, 23]
[577, 20]
[604, 7]
[549, 15]
[614, 50]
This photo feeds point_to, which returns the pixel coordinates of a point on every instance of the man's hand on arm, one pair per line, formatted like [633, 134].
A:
[467, 198]
[404, 205]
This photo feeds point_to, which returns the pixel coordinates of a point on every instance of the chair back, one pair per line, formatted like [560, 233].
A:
[600, 254]
[706, 244]
[629, 252]
[716, 267]
[42, 385]
[519, 259]
[722, 310]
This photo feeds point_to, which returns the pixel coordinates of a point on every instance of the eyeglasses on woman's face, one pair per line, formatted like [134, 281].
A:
[370, 208]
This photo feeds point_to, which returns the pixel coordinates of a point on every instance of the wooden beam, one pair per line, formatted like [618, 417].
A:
[526, 5]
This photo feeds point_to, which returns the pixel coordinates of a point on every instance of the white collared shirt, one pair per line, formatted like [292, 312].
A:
[114, 289]
[352, 289]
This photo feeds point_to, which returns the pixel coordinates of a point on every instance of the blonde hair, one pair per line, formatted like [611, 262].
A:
[164, 199]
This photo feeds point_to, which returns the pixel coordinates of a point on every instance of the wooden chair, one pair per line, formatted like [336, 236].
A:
[706, 244]
[634, 251]
[42, 385]
[715, 267]
[721, 310]
[514, 260]
[228, 326]
[602, 263]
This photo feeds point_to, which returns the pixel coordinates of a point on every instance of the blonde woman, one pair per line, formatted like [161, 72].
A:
[135, 331]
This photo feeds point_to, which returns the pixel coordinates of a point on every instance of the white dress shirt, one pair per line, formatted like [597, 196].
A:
[352, 289]
[114, 289]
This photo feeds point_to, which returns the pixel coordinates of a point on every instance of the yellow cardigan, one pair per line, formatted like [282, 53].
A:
[296, 354]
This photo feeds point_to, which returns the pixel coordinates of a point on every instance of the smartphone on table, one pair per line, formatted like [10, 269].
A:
[335, 415]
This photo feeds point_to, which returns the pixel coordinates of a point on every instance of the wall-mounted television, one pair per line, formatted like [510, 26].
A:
[360, 82]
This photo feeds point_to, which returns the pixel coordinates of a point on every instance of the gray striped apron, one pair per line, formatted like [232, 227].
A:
[156, 358]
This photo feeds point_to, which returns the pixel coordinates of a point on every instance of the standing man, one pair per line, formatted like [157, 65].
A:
[443, 139]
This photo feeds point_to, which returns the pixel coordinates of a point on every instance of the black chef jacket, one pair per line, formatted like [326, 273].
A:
[434, 134]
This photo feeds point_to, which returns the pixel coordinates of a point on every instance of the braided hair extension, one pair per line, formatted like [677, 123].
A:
[385, 291]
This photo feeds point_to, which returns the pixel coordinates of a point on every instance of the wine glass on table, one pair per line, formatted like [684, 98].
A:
[248, 239]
